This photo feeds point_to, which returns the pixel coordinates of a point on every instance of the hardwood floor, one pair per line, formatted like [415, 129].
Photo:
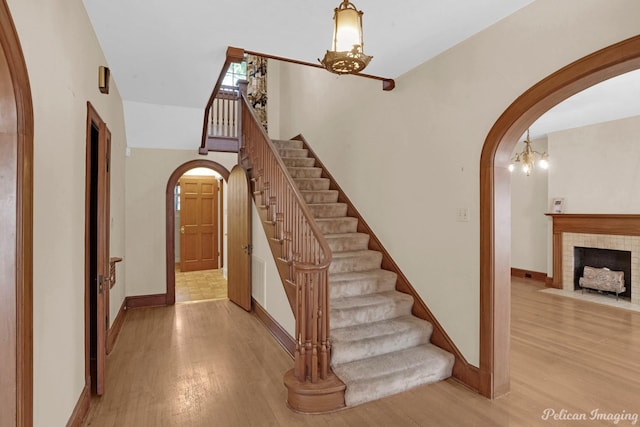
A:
[212, 364]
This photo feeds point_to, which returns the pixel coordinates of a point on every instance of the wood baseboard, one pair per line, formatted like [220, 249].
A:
[140, 301]
[81, 409]
[114, 330]
[286, 341]
[528, 274]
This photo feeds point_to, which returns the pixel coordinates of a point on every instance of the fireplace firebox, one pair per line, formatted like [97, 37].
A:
[612, 259]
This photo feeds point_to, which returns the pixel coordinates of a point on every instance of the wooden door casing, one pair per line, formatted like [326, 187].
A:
[97, 243]
[198, 223]
[239, 238]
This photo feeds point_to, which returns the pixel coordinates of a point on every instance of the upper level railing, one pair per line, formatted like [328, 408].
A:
[304, 247]
[223, 114]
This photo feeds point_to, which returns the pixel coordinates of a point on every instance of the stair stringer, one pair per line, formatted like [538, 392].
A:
[463, 371]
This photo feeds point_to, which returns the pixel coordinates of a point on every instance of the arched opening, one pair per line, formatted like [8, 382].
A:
[171, 219]
[495, 203]
[16, 229]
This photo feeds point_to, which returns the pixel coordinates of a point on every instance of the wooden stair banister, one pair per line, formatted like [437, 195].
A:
[233, 55]
[303, 257]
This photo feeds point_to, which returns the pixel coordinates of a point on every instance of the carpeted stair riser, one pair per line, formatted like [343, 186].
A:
[378, 347]
[328, 210]
[298, 172]
[355, 261]
[299, 162]
[369, 308]
[392, 373]
[373, 339]
[356, 283]
[293, 152]
[337, 225]
[312, 183]
[289, 143]
[320, 196]
[347, 242]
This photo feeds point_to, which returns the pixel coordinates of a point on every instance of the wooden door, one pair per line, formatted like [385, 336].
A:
[239, 238]
[198, 223]
[102, 255]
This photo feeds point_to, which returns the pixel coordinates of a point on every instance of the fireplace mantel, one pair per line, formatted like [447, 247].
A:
[616, 224]
[588, 224]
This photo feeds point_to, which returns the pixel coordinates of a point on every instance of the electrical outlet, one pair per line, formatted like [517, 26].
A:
[462, 215]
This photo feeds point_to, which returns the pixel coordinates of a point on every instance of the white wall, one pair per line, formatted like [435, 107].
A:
[529, 203]
[62, 56]
[409, 158]
[597, 168]
[163, 126]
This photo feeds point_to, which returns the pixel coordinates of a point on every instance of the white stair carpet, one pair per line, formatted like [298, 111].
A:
[378, 347]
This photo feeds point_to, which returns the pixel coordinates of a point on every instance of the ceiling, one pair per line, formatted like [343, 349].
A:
[170, 52]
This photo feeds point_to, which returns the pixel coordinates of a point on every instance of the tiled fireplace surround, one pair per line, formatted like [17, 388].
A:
[603, 231]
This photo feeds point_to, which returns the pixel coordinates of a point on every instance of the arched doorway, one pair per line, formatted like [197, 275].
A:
[495, 196]
[16, 230]
[170, 218]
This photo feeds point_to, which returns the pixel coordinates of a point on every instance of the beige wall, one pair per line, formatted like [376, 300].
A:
[595, 168]
[409, 158]
[148, 171]
[62, 56]
[529, 203]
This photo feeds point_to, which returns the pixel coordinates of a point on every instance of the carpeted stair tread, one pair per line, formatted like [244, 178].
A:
[355, 261]
[345, 224]
[355, 283]
[304, 172]
[349, 311]
[373, 339]
[391, 373]
[342, 242]
[287, 143]
[328, 210]
[320, 196]
[312, 183]
[298, 162]
[293, 152]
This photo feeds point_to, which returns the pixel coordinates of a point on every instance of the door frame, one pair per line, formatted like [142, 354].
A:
[170, 231]
[17, 100]
[103, 238]
[495, 196]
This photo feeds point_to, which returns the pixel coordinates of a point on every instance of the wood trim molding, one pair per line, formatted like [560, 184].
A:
[116, 327]
[286, 341]
[141, 301]
[170, 231]
[81, 410]
[616, 224]
[19, 103]
[528, 274]
[495, 196]
[462, 370]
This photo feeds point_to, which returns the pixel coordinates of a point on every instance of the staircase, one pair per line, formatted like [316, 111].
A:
[378, 348]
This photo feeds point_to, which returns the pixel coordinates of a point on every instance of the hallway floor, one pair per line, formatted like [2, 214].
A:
[213, 364]
[200, 285]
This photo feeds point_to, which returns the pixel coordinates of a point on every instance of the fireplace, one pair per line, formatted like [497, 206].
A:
[617, 232]
[615, 260]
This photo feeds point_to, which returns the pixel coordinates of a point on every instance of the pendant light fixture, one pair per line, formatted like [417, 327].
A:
[527, 158]
[347, 56]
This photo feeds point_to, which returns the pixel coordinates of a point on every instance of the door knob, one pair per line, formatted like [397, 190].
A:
[182, 230]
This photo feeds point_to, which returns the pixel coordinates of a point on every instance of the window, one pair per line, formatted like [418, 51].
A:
[234, 73]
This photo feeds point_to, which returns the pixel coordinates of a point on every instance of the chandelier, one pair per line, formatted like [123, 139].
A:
[527, 158]
[347, 56]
